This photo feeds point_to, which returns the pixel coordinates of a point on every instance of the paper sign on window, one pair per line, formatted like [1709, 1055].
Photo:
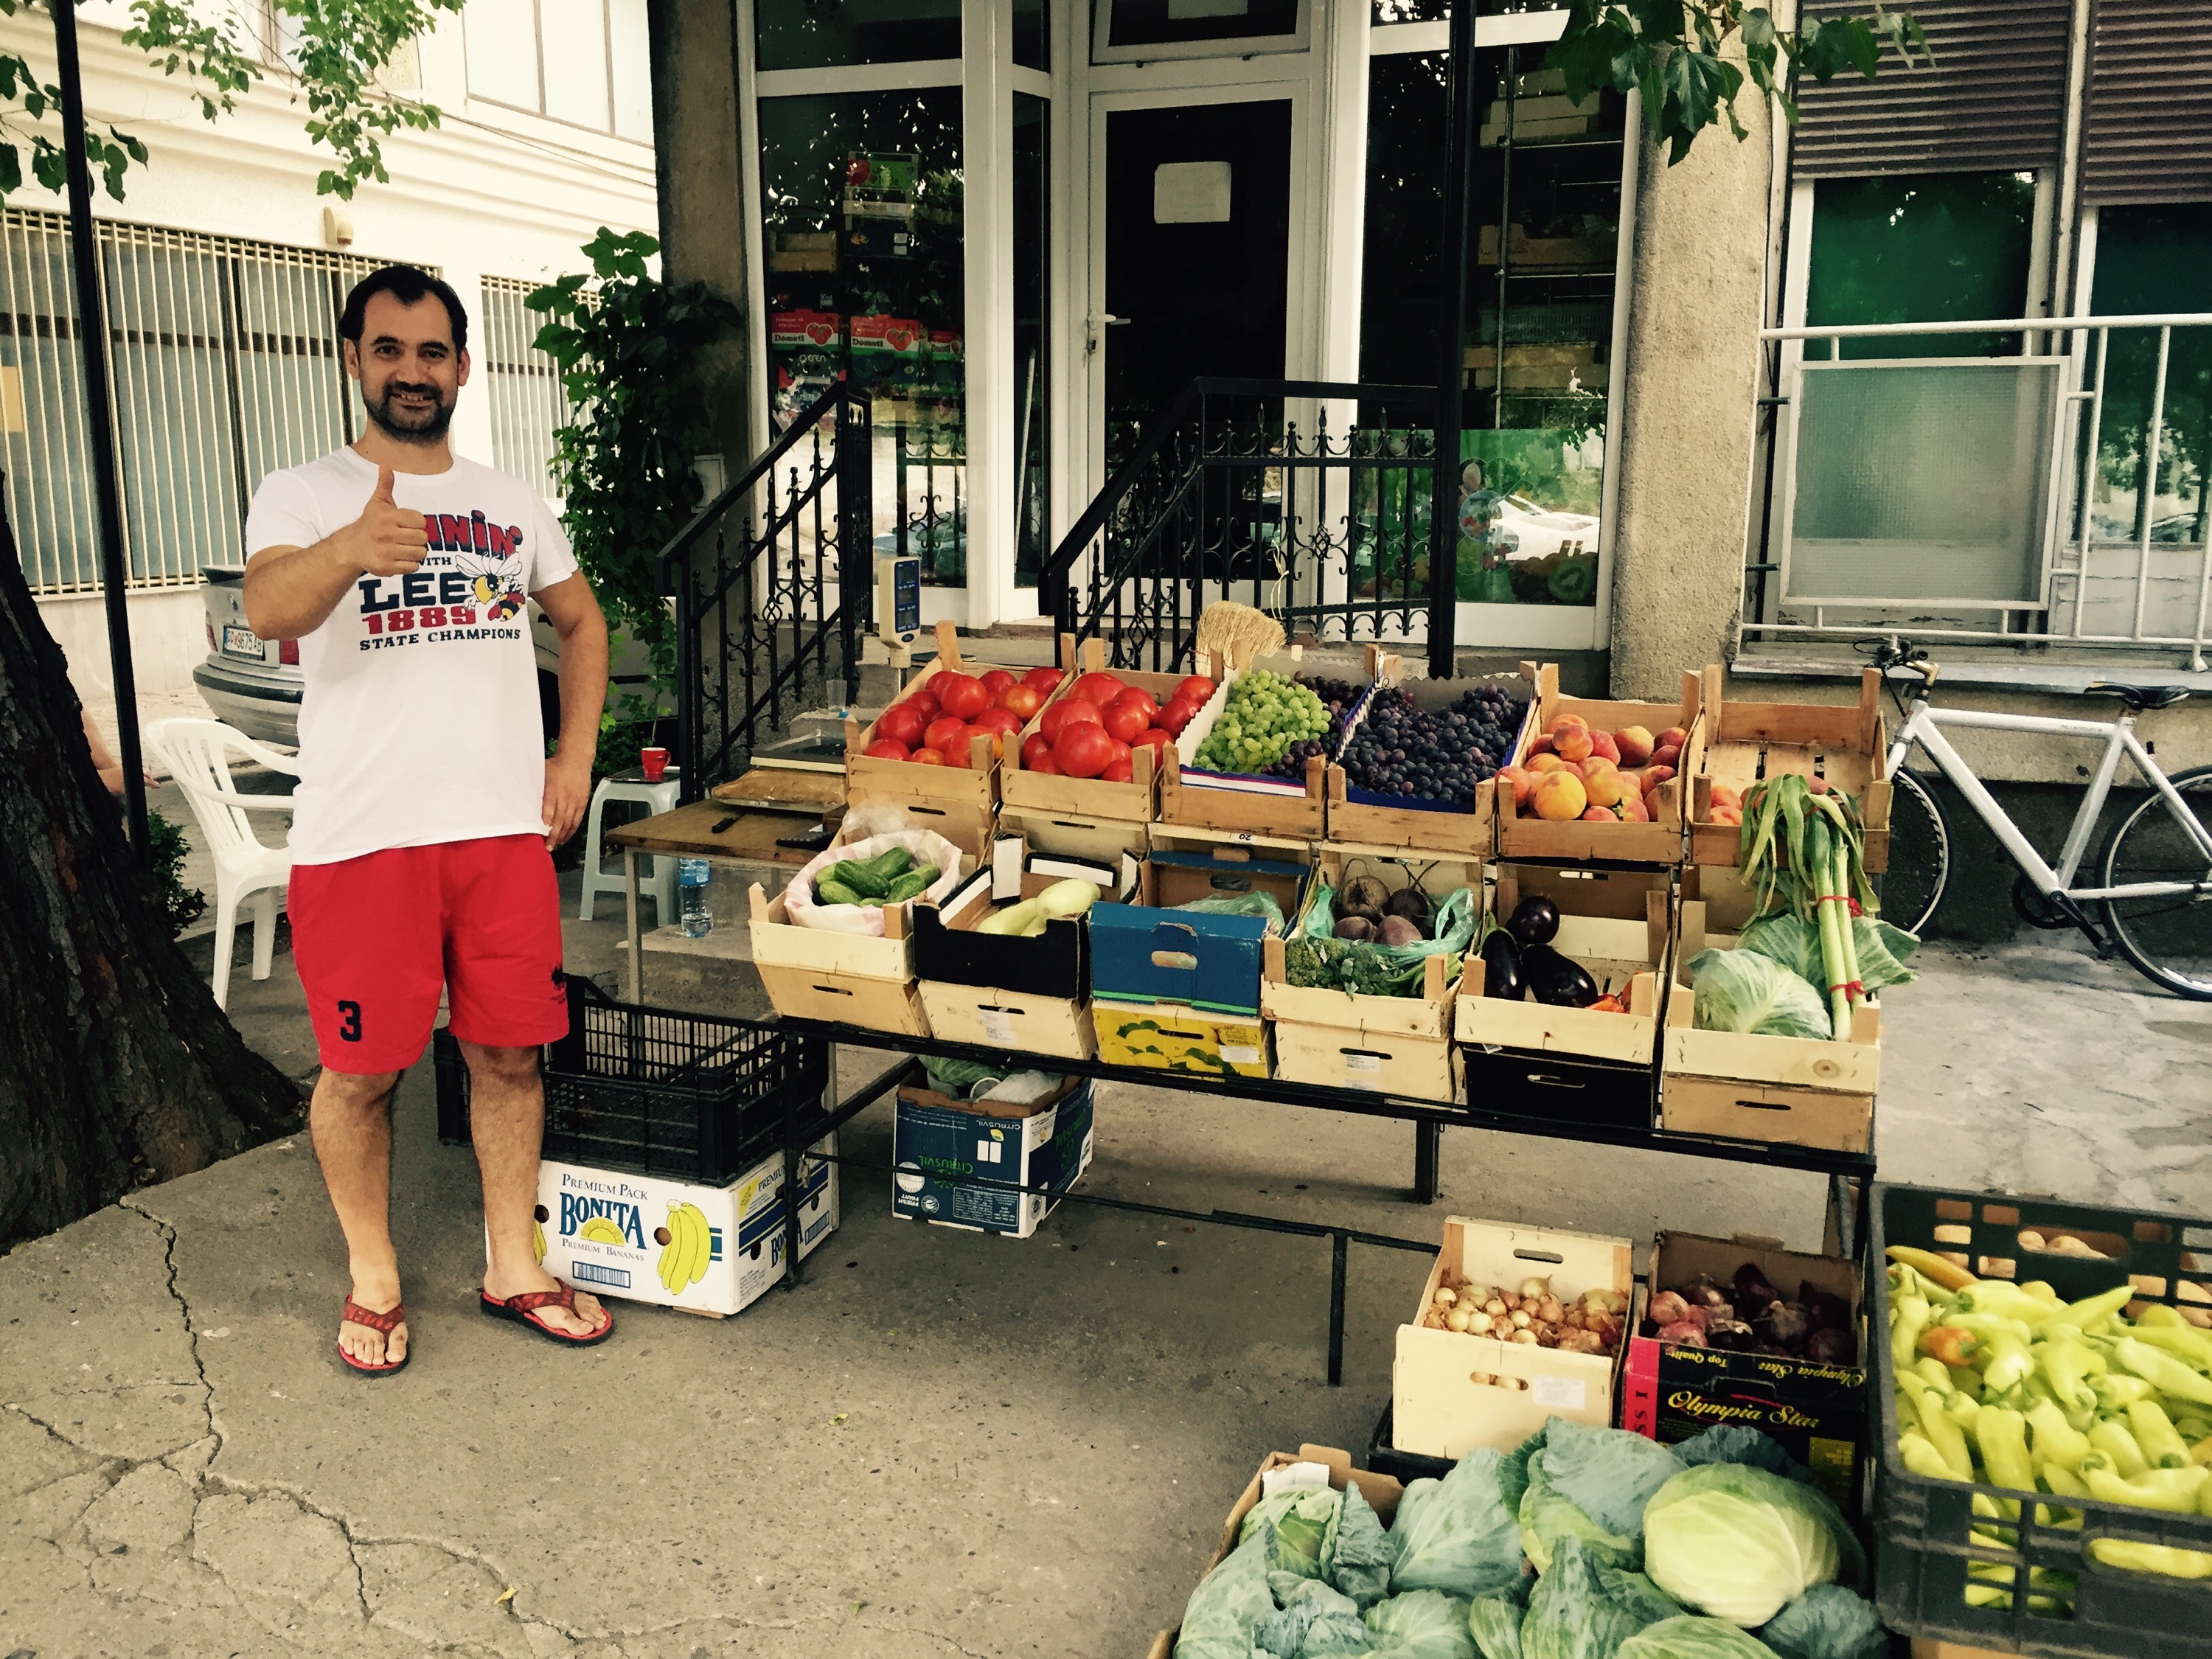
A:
[1190, 193]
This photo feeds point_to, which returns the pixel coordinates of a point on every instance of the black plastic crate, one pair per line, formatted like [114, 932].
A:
[656, 1092]
[1922, 1526]
[1405, 1467]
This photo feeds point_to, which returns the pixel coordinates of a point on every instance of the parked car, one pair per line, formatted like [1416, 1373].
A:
[1542, 531]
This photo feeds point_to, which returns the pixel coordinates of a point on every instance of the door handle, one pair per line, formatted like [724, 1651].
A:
[1098, 321]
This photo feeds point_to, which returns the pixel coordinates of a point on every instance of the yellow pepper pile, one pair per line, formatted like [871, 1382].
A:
[2007, 1385]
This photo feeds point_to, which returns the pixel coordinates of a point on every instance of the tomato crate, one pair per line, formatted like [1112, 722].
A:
[1926, 1533]
[655, 1091]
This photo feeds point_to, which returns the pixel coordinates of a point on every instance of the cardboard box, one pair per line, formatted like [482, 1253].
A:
[1743, 742]
[814, 973]
[613, 1235]
[1361, 817]
[1438, 1409]
[1617, 924]
[1135, 801]
[1177, 1037]
[975, 786]
[1381, 1492]
[1795, 1091]
[1150, 951]
[1659, 841]
[936, 1139]
[1817, 1411]
[1238, 801]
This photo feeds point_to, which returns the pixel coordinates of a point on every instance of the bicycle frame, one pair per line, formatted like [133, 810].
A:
[2119, 738]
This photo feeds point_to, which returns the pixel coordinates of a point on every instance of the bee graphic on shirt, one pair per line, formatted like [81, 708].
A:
[492, 586]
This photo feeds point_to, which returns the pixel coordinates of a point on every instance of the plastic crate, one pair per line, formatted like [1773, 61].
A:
[1923, 1526]
[656, 1092]
[1403, 1467]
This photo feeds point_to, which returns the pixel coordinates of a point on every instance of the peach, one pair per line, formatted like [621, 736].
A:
[1666, 755]
[1520, 780]
[1636, 744]
[1604, 744]
[1572, 743]
[1602, 815]
[1606, 786]
[1725, 795]
[1547, 762]
[1727, 814]
[1673, 737]
[1540, 744]
[1634, 810]
[1567, 723]
[1559, 797]
[1596, 764]
[1656, 775]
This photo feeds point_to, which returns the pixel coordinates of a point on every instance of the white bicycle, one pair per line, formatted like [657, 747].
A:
[2151, 893]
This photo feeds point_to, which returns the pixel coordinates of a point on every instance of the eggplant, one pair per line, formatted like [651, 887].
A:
[1534, 921]
[1556, 979]
[1501, 968]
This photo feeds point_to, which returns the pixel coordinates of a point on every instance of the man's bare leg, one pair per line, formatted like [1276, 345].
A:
[507, 1121]
[350, 1119]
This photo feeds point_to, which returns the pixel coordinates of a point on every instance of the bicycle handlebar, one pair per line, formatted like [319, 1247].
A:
[1903, 653]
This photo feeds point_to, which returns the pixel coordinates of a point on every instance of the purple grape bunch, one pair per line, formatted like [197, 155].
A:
[1339, 697]
[1401, 749]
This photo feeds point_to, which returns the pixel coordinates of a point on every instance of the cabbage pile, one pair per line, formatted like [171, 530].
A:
[1719, 1548]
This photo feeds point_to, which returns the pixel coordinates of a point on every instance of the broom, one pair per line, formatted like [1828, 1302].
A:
[1232, 633]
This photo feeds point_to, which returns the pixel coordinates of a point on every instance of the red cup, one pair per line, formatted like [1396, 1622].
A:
[652, 762]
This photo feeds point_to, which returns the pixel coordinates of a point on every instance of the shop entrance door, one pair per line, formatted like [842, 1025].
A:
[1196, 255]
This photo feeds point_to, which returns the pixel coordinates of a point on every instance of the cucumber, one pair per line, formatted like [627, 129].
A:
[828, 889]
[911, 884]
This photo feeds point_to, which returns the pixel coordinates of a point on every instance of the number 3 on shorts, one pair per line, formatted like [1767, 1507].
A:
[349, 1022]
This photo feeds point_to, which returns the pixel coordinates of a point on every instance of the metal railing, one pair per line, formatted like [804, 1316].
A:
[1225, 496]
[523, 385]
[226, 367]
[771, 581]
[2048, 484]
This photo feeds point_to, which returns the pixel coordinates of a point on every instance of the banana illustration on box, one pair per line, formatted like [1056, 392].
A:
[538, 1240]
[600, 1230]
[683, 1258]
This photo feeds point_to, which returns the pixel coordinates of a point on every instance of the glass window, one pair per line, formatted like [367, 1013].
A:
[1032, 388]
[502, 51]
[865, 267]
[2154, 259]
[1174, 22]
[1031, 35]
[632, 70]
[830, 34]
[1918, 249]
[583, 62]
[1439, 11]
[576, 62]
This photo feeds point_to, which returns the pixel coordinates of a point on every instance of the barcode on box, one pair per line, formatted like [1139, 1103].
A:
[592, 1273]
[1566, 1393]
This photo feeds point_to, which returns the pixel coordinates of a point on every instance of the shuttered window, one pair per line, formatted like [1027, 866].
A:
[2149, 132]
[1993, 100]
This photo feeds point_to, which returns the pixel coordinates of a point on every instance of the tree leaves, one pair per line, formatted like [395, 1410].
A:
[1691, 58]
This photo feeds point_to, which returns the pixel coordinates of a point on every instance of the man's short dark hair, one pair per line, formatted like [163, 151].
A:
[409, 286]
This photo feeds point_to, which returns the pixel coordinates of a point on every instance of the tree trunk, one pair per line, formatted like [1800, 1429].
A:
[116, 1068]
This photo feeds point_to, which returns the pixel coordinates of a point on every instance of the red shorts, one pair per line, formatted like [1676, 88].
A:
[377, 937]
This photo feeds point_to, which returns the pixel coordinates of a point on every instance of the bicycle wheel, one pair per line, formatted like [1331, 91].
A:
[2169, 939]
[1919, 855]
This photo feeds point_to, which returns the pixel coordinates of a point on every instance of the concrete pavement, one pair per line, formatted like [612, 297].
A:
[940, 1443]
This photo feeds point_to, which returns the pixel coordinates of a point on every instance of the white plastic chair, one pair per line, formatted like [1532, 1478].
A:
[198, 753]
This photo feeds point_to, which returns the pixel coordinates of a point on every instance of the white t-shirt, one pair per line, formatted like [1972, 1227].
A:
[420, 721]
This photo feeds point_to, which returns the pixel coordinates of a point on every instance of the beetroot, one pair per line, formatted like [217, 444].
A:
[1683, 1334]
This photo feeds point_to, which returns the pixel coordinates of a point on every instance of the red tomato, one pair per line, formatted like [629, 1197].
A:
[901, 725]
[1083, 750]
[1100, 688]
[886, 748]
[1125, 722]
[1195, 690]
[1120, 751]
[967, 744]
[1120, 771]
[1035, 748]
[927, 757]
[1175, 716]
[995, 680]
[962, 698]
[1022, 701]
[1137, 697]
[1154, 738]
[944, 735]
[1066, 711]
[1046, 767]
[1044, 681]
[1004, 721]
[924, 704]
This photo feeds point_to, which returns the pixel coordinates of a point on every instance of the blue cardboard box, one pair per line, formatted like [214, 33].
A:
[1153, 952]
[935, 1140]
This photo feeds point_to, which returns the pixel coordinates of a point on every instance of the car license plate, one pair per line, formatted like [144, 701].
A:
[242, 642]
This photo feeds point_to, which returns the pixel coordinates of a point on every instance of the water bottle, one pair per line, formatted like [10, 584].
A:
[698, 916]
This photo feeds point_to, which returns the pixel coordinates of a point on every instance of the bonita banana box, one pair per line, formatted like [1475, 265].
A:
[706, 1249]
[1044, 1143]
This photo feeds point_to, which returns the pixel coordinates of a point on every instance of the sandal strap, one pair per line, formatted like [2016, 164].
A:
[357, 1315]
[530, 1301]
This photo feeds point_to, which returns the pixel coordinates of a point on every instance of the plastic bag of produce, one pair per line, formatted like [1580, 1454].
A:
[1744, 991]
[1828, 1622]
[1741, 1543]
[1548, 1517]
[1583, 1609]
[1261, 905]
[1218, 1620]
[925, 846]
[1361, 1564]
[1692, 1637]
[1495, 1620]
[1311, 1619]
[963, 1079]
[1317, 957]
[1422, 1623]
[1607, 1474]
[1302, 1528]
[1456, 1534]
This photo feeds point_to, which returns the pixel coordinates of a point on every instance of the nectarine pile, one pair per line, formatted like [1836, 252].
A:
[1575, 772]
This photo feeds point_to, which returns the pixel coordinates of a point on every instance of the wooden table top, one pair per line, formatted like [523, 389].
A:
[688, 832]
[807, 786]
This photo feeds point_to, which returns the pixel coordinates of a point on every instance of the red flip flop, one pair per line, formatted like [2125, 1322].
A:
[355, 1314]
[523, 1310]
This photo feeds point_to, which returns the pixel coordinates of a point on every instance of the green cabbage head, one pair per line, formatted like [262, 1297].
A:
[1740, 1543]
[1690, 1637]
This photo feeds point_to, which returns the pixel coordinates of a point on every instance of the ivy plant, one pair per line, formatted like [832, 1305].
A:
[1691, 58]
[629, 348]
[339, 48]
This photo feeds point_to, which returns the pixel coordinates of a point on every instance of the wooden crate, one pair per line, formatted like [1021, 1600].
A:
[1079, 836]
[975, 787]
[1743, 742]
[1234, 802]
[1437, 1409]
[969, 828]
[1620, 952]
[1013, 1022]
[1469, 832]
[1136, 801]
[815, 973]
[1795, 1091]
[1661, 840]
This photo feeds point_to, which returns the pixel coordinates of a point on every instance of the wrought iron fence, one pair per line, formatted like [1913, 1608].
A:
[771, 580]
[528, 402]
[1307, 499]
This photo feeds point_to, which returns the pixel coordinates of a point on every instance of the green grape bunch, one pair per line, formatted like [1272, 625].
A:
[1262, 716]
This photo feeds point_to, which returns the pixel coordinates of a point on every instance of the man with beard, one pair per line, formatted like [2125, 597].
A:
[426, 806]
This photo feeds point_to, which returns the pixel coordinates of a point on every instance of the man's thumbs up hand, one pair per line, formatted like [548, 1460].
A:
[389, 540]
